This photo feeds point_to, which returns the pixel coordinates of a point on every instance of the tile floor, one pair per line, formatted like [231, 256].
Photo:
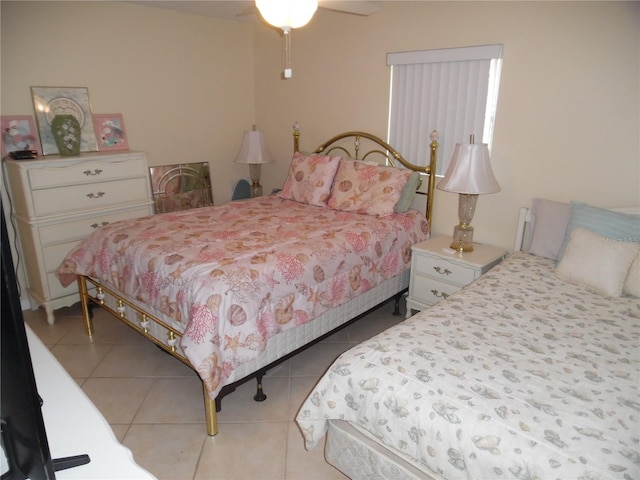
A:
[138, 387]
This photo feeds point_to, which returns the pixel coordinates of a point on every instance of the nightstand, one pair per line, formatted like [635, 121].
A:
[437, 271]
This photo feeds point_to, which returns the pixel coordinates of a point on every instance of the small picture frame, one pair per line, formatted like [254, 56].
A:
[19, 133]
[110, 131]
[51, 101]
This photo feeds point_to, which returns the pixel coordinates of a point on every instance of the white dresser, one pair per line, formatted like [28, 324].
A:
[57, 201]
[437, 271]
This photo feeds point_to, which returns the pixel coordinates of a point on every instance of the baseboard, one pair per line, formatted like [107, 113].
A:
[25, 304]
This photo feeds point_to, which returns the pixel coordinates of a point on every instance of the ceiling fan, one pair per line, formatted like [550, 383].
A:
[290, 14]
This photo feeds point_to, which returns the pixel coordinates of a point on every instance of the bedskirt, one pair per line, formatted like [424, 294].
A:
[277, 346]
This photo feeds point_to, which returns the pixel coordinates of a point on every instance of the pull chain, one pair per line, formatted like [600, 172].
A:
[286, 53]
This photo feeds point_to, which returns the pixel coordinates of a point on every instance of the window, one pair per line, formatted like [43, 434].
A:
[452, 90]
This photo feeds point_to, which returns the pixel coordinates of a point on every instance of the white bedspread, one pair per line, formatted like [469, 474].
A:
[519, 375]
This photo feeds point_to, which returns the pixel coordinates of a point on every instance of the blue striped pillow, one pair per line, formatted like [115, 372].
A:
[618, 226]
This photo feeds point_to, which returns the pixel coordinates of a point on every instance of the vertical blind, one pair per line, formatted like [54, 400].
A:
[452, 90]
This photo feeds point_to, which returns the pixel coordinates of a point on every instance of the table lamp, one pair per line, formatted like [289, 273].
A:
[254, 152]
[469, 175]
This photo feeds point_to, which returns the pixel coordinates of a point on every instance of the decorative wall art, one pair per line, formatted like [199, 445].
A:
[66, 133]
[109, 128]
[51, 101]
[18, 133]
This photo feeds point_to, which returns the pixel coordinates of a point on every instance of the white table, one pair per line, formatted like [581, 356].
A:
[75, 426]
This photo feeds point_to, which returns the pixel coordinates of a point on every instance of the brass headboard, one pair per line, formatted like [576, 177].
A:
[382, 148]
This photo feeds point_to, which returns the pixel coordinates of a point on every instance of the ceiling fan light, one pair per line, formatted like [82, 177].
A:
[287, 14]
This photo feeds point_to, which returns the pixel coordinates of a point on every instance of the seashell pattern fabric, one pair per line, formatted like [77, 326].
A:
[232, 276]
[364, 188]
[519, 375]
[310, 178]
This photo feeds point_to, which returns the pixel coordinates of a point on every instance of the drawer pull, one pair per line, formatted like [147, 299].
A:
[96, 195]
[436, 293]
[97, 171]
[441, 271]
[98, 225]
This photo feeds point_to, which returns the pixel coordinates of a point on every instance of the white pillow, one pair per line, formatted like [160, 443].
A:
[632, 283]
[596, 262]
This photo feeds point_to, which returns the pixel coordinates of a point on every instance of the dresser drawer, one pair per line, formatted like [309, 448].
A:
[51, 201]
[56, 290]
[77, 229]
[54, 255]
[429, 291]
[87, 172]
[440, 268]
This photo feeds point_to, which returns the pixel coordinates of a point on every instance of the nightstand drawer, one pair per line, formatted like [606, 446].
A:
[87, 172]
[51, 201]
[429, 291]
[442, 269]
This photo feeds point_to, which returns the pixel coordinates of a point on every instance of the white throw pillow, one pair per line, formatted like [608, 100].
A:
[597, 262]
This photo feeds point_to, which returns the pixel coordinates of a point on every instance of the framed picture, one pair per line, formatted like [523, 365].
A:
[19, 133]
[51, 101]
[109, 128]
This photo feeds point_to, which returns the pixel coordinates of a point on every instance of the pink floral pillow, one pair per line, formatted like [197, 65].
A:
[365, 188]
[310, 178]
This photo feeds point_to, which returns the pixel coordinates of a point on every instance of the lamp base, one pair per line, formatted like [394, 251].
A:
[463, 232]
[462, 238]
[254, 173]
[256, 190]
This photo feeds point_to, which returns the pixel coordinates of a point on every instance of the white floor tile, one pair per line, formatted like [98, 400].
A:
[155, 406]
[245, 451]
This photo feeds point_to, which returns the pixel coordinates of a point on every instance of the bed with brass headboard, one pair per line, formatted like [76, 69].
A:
[231, 290]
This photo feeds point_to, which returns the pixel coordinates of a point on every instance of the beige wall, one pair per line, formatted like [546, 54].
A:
[183, 83]
[568, 119]
[568, 123]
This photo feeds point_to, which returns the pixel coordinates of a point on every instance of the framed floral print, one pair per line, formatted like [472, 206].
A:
[110, 132]
[51, 101]
[18, 133]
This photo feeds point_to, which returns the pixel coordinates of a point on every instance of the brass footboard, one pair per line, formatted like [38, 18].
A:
[145, 324]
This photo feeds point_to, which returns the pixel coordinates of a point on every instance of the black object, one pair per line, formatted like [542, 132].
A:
[24, 437]
[24, 154]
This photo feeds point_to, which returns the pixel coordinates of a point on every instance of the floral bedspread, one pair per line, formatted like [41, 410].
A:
[232, 276]
[517, 376]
